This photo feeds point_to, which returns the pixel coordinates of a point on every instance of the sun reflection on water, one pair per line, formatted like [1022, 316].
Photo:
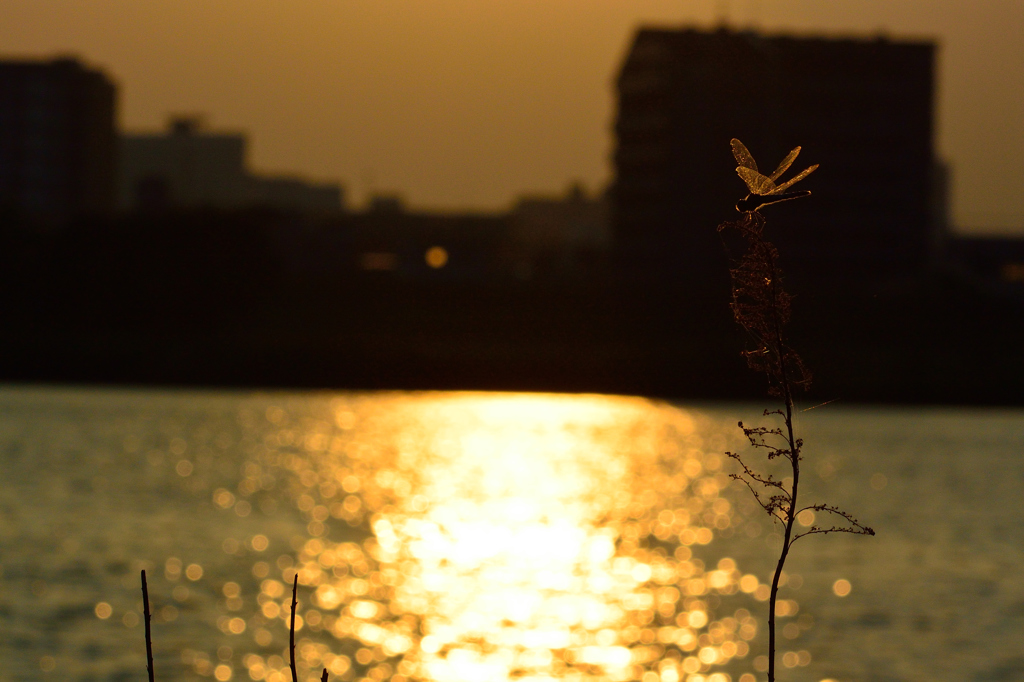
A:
[486, 537]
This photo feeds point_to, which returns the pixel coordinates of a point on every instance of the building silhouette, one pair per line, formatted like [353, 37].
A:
[188, 167]
[558, 236]
[57, 139]
[862, 108]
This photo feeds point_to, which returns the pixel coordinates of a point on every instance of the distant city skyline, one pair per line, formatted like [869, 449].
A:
[457, 104]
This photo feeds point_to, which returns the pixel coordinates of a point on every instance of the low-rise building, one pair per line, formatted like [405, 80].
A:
[189, 167]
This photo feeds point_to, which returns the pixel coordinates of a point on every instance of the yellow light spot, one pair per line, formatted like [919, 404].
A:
[272, 588]
[222, 672]
[761, 664]
[183, 467]
[641, 573]
[172, 568]
[103, 610]
[231, 590]
[339, 665]
[237, 626]
[436, 257]
[223, 498]
[842, 587]
[363, 609]
[194, 572]
[749, 583]
[806, 518]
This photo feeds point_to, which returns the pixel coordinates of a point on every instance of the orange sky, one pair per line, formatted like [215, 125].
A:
[468, 103]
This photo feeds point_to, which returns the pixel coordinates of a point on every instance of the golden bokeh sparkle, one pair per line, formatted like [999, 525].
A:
[489, 537]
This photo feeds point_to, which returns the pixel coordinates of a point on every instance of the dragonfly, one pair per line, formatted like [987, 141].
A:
[763, 190]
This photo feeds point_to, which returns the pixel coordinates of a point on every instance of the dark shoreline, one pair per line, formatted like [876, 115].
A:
[906, 349]
[270, 300]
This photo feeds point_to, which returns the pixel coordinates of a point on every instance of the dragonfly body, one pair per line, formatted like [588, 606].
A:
[753, 202]
[763, 190]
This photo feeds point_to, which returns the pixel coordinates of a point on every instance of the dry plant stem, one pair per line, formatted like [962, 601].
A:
[794, 459]
[291, 634]
[790, 516]
[146, 614]
[762, 308]
[291, 630]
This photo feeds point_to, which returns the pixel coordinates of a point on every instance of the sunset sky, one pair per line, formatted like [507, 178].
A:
[466, 104]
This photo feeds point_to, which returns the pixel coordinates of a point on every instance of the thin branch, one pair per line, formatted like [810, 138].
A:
[839, 512]
[834, 529]
[767, 482]
[146, 614]
[323, 678]
[291, 630]
[855, 527]
[757, 496]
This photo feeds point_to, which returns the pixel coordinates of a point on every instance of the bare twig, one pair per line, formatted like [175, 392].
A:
[323, 678]
[291, 630]
[146, 614]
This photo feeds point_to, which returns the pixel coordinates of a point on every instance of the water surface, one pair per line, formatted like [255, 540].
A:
[457, 537]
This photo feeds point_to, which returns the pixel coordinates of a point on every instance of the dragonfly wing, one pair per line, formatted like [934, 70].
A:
[757, 183]
[743, 156]
[786, 163]
[796, 178]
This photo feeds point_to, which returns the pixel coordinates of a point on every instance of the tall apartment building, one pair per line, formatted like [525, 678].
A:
[861, 108]
[57, 138]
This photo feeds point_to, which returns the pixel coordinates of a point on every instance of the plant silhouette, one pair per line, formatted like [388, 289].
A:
[762, 307]
[291, 631]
